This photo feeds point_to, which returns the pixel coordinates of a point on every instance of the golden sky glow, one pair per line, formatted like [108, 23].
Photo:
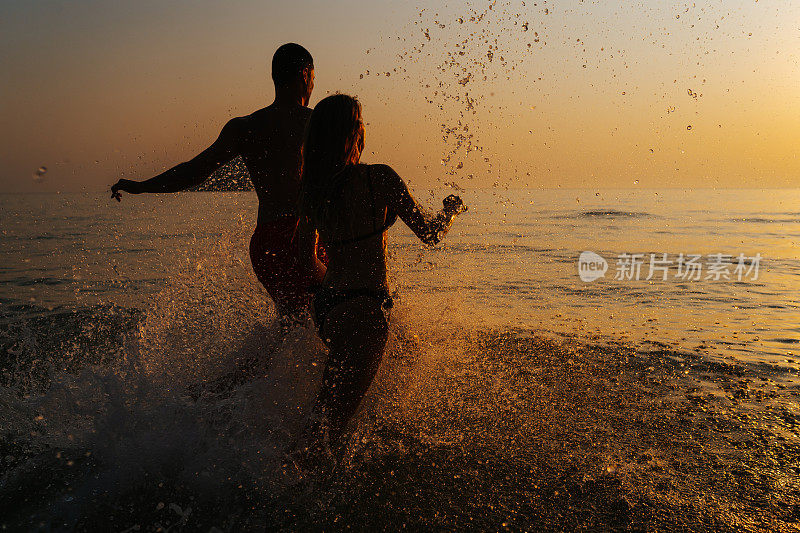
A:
[95, 90]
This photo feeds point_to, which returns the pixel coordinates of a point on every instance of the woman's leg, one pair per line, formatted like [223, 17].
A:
[356, 332]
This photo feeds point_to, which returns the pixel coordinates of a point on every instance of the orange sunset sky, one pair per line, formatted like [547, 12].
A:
[468, 94]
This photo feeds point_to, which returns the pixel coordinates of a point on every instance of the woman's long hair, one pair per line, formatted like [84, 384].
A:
[334, 139]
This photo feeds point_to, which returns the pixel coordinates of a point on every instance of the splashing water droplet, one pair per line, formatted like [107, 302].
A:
[38, 175]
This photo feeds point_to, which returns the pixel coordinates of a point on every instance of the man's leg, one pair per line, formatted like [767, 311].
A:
[274, 259]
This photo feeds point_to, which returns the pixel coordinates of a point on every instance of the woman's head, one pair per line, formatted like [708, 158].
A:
[334, 139]
[335, 133]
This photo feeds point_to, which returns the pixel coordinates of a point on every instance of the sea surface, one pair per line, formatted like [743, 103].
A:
[514, 395]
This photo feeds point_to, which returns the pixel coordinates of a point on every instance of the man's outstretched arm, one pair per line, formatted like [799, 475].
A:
[192, 172]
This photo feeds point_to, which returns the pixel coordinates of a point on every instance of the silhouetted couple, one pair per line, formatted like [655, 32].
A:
[313, 193]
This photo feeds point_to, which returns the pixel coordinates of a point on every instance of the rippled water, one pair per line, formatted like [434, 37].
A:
[511, 261]
[513, 394]
[514, 261]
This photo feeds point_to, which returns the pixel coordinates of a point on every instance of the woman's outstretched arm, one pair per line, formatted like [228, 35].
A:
[429, 229]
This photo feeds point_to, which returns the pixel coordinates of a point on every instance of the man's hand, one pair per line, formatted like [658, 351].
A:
[133, 187]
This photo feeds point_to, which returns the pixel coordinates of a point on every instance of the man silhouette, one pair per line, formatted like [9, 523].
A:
[269, 142]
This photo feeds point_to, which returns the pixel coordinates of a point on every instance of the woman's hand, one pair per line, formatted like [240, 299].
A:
[453, 205]
[133, 187]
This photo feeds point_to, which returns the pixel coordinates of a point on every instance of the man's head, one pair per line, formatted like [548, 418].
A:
[293, 70]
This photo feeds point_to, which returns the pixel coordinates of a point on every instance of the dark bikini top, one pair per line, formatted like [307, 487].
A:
[390, 219]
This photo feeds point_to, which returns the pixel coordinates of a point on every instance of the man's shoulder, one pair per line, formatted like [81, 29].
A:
[235, 126]
[242, 126]
[271, 112]
[255, 116]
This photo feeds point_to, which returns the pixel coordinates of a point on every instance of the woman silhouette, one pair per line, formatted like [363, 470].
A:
[349, 207]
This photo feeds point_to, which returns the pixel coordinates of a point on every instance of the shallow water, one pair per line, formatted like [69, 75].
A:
[513, 395]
